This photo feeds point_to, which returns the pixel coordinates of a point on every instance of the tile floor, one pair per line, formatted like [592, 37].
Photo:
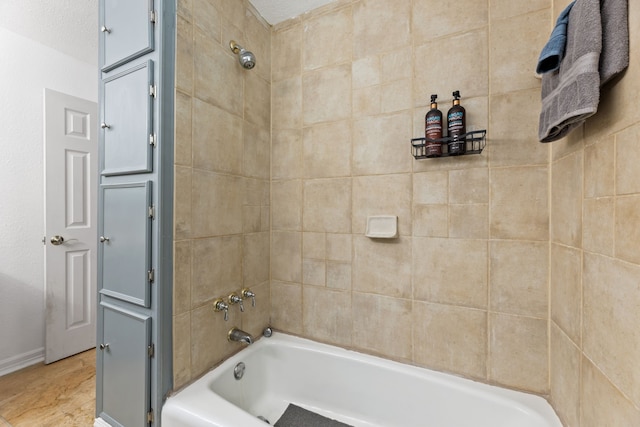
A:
[61, 394]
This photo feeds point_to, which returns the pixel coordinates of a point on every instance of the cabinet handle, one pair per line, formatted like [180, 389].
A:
[104, 239]
[103, 125]
[104, 346]
[104, 29]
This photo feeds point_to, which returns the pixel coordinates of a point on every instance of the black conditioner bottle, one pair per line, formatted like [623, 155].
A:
[456, 127]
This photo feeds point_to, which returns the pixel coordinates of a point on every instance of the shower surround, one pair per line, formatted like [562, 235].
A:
[508, 265]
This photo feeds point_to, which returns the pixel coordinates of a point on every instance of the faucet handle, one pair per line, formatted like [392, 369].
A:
[248, 293]
[220, 305]
[235, 299]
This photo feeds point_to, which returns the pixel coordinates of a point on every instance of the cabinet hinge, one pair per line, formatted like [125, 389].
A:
[152, 140]
[151, 275]
[150, 417]
[153, 91]
[152, 16]
[152, 212]
[151, 349]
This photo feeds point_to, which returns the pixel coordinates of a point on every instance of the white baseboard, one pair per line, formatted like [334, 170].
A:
[99, 422]
[20, 361]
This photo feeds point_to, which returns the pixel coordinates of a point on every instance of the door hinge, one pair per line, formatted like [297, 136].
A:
[152, 16]
[152, 139]
[150, 416]
[151, 275]
[152, 212]
[151, 349]
[153, 91]
[44, 240]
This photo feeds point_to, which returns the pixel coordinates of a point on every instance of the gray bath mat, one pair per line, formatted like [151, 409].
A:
[295, 416]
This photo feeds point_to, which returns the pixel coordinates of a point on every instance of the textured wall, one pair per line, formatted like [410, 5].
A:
[595, 258]
[464, 288]
[221, 181]
[22, 285]
[517, 267]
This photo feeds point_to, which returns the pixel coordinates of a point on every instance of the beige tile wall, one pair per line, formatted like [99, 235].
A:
[465, 287]
[222, 171]
[518, 267]
[595, 262]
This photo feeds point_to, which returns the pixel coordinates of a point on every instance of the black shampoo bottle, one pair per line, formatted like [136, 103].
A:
[456, 127]
[433, 130]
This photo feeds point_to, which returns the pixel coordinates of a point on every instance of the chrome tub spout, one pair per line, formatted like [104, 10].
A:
[239, 335]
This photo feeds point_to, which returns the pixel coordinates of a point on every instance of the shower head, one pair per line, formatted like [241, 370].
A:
[247, 59]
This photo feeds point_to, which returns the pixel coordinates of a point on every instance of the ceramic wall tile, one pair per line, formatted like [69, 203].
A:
[287, 41]
[518, 352]
[566, 200]
[380, 144]
[286, 212]
[515, 142]
[450, 338]
[382, 266]
[370, 16]
[286, 306]
[286, 256]
[217, 139]
[323, 94]
[434, 73]
[378, 320]
[564, 372]
[611, 315]
[519, 276]
[627, 234]
[519, 205]
[382, 195]
[512, 61]
[328, 39]
[327, 205]
[327, 150]
[450, 271]
[602, 402]
[433, 19]
[566, 290]
[327, 315]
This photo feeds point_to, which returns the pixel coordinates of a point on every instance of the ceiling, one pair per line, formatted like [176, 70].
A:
[276, 11]
[68, 26]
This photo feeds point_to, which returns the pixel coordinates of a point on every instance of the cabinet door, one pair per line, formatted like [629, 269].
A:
[125, 248]
[124, 364]
[126, 31]
[127, 121]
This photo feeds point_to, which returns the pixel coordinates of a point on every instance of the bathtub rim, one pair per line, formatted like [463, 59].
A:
[526, 402]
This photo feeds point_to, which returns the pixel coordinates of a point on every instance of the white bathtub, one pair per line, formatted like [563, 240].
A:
[354, 388]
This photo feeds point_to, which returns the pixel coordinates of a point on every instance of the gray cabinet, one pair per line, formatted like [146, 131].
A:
[125, 242]
[125, 359]
[135, 209]
[127, 121]
[126, 31]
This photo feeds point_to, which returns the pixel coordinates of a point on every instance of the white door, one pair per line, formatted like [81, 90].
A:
[71, 165]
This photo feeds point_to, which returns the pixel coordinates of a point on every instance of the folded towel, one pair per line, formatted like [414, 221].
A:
[615, 39]
[597, 49]
[553, 51]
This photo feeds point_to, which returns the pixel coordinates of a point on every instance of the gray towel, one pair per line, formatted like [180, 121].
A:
[597, 49]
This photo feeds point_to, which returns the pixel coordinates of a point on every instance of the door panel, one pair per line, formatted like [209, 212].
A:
[71, 165]
[125, 248]
[127, 121]
[124, 359]
[126, 31]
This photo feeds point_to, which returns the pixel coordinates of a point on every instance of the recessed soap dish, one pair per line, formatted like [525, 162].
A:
[382, 227]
